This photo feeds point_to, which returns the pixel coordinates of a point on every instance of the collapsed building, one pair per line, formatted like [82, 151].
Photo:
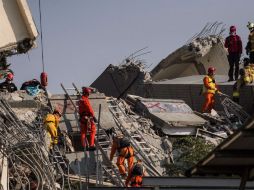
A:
[161, 109]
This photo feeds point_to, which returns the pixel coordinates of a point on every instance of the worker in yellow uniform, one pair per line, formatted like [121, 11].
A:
[237, 85]
[209, 90]
[51, 122]
[246, 77]
[250, 45]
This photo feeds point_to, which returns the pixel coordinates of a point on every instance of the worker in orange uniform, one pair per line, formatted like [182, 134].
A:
[87, 120]
[51, 122]
[135, 176]
[125, 151]
[209, 90]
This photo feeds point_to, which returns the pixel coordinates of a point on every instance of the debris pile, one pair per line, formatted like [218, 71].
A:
[117, 81]
[24, 153]
[203, 50]
[202, 45]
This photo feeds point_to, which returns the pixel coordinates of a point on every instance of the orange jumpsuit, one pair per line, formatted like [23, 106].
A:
[87, 124]
[135, 180]
[123, 153]
[209, 90]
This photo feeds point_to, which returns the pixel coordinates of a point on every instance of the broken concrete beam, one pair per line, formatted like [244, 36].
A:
[173, 117]
[116, 81]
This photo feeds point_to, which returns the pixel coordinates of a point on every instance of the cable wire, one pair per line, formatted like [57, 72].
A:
[41, 36]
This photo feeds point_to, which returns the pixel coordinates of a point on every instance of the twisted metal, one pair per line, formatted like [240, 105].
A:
[210, 29]
[24, 147]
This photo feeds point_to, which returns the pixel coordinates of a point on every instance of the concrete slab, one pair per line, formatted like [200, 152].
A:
[174, 117]
[189, 88]
[68, 121]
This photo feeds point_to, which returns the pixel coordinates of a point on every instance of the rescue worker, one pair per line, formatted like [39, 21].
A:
[237, 85]
[234, 45]
[125, 151]
[136, 174]
[209, 90]
[87, 119]
[51, 122]
[250, 45]
[8, 85]
[246, 77]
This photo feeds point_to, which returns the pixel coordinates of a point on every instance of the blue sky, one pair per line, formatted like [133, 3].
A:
[81, 37]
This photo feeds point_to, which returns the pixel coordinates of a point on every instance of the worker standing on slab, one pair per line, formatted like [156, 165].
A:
[250, 45]
[237, 85]
[87, 119]
[51, 122]
[234, 45]
[125, 151]
[136, 174]
[8, 85]
[246, 77]
[209, 90]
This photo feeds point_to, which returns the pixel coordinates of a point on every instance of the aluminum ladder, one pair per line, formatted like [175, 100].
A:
[231, 107]
[103, 144]
[143, 150]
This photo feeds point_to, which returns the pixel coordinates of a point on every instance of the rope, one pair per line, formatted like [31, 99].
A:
[42, 52]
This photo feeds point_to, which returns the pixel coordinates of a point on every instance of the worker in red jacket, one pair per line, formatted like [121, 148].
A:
[87, 119]
[234, 45]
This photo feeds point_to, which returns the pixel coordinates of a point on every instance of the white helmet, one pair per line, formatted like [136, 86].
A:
[250, 25]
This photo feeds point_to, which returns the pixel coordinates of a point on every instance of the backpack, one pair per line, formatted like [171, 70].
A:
[32, 83]
[137, 170]
[124, 142]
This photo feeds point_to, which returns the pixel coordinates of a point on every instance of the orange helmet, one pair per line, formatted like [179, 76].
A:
[86, 90]
[57, 111]
[9, 76]
[211, 70]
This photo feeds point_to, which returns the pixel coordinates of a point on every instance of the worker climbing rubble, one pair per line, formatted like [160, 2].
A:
[136, 174]
[250, 44]
[87, 120]
[123, 146]
[51, 122]
[8, 85]
[209, 90]
[234, 45]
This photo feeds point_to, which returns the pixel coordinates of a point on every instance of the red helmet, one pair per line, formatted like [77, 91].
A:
[86, 90]
[211, 70]
[57, 111]
[232, 29]
[9, 76]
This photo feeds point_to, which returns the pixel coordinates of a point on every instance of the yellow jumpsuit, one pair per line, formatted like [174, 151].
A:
[51, 122]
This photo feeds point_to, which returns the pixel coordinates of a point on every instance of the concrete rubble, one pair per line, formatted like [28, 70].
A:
[121, 79]
[155, 110]
[202, 51]
[23, 143]
[172, 117]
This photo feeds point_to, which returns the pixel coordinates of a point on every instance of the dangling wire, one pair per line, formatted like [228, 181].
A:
[42, 52]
